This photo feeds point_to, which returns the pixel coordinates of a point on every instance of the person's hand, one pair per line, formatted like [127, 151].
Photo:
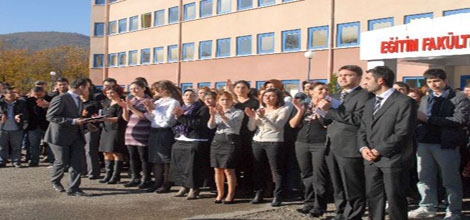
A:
[3, 118]
[250, 112]
[422, 116]
[84, 113]
[375, 153]
[212, 111]
[324, 105]
[298, 105]
[18, 118]
[367, 154]
[80, 121]
[220, 110]
[178, 112]
[149, 105]
[42, 103]
[261, 112]
[121, 103]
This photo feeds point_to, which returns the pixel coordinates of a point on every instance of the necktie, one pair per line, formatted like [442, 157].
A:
[377, 104]
[342, 96]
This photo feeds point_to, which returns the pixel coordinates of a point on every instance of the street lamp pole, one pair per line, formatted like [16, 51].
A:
[309, 55]
[52, 75]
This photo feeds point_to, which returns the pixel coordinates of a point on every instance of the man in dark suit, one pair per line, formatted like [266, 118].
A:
[65, 137]
[386, 144]
[344, 161]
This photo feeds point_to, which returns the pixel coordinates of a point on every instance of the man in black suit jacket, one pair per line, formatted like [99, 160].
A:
[65, 137]
[386, 144]
[344, 161]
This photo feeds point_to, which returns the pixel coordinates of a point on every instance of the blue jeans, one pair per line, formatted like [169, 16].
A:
[12, 139]
[35, 137]
[431, 159]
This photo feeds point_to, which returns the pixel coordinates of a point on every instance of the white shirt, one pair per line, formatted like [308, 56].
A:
[75, 98]
[349, 90]
[161, 116]
[270, 126]
[385, 95]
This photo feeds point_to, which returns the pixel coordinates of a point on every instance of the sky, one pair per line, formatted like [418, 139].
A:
[45, 15]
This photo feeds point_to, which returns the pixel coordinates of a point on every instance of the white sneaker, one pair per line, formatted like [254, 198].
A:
[421, 212]
[450, 216]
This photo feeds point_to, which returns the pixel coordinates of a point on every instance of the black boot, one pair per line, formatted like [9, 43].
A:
[258, 197]
[117, 173]
[146, 183]
[276, 202]
[135, 177]
[156, 170]
[109, 171]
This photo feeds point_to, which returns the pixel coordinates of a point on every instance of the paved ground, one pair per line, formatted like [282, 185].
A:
[25, 193]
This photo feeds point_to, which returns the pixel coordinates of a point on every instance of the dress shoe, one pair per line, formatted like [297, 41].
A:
[258, 198]
[132, 183]
[153, 187]
[93, 177]
[32, 164]
[316, 213]
[276, 202]
[217, 201]
[78, 193]
[58, 187]
[304, 210]
[182, 192]
[145, 184]
[227, 202]
[164, 189]
[2, 165]
[193, 194]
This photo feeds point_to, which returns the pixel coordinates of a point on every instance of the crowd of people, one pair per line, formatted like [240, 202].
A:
[375, 143]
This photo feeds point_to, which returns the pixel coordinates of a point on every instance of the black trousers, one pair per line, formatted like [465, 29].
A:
[268, 155]
[72, 156]
[244, 169]
[139, 154]
[386, 184]
[314, 173]
[347, 176]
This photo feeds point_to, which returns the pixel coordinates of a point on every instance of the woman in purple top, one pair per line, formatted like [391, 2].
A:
[137, 134]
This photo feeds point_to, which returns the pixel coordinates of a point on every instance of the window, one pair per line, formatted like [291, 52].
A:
[185, 86]
[134, 23]
[112, 60]
[291, 40]
[318, 37]
[259, 84]
[99, 2]
[112, 29]
[266, 2]
[98, 60]
[380, 23]
[321, 80]
[410, 18]
[188, 51]
[146, 20]
[99, 29]
[348, 34]
[220, 85]
[132, 58]
[112, 1]
[204, 84]
[205, 8]
[173, 15]
[265, 43]
[172, 53]
[457, 11]
[123, 25]
[122, 58]
[158, 55]
[414, 82]
[291, 86]
[189, 11]
[245, 4]
[244, 45]
[159, 18]
[205, 49]
[224, 6]
[223, 47]
[145, 56]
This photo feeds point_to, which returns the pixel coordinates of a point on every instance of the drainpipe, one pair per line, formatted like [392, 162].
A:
[180, 43]
[331, 40]
[106, 40]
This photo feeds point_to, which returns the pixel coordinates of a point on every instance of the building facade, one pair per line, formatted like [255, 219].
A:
[205, 42]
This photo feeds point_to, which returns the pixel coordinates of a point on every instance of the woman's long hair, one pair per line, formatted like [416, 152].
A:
[170, 87]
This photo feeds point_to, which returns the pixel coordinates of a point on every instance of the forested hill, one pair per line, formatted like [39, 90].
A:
[43, 40]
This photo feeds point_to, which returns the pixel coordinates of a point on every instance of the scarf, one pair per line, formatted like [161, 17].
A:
[182, 129]
[432, 99]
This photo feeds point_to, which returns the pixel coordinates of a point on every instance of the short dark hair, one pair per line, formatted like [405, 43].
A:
[110, 80]
[79, 82]
[403, 84]
[242, 82]
[142, 79]
[353, 68]
[62, 79]
[385, 73]
[280, 98]
[305, 82]
[40, 82]
[38, 89]
[139, 83]
[435, 73]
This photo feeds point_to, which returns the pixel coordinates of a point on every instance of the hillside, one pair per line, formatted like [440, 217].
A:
[42, 40]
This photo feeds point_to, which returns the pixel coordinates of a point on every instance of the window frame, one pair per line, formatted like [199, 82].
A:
[456, 11]
[110, 24]
[371, 23]
[110, 58]
[185, 18]
[95, 56]
[407, 19]
[119, 59]
[219, 84]
[119, 25]
[155, 24]
[219, 5]
[266, 4]
[142, 20]
[185, 45]
[244, 8]
[130, 23]
[97, 2]
[169, 51]
[310, 36]
[417, 78]
[142, 56]
[155, 57]
[129, 56]
[200, 51]
[340, 34]
[259, 84]
[177, 13]
[238, 45]
[203, 84]
[102, 26]
[201, 4]
[260, 36]
[219, 42]
[184, 86]
[284, 37]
